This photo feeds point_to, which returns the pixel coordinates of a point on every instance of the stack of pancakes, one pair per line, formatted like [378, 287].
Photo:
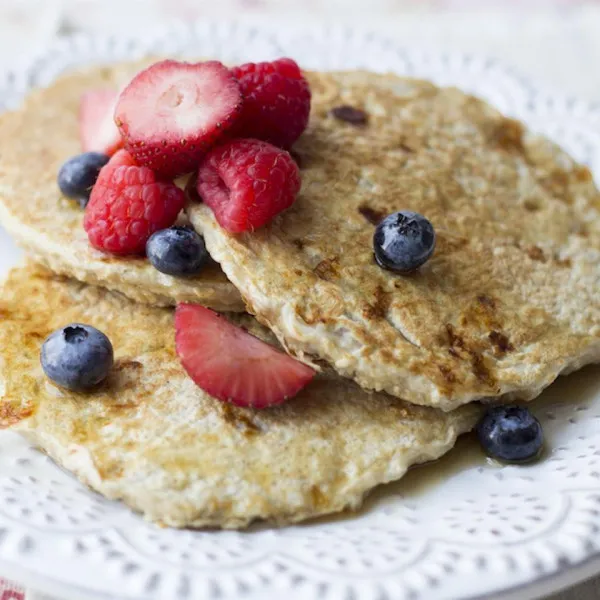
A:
[507, 303]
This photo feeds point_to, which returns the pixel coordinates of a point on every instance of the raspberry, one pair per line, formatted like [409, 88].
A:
[276, 101]
[127, 205]
[247, 182]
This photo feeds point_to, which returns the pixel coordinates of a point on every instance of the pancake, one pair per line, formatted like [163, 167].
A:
[510, 297]
[153, 439]
[34, 142]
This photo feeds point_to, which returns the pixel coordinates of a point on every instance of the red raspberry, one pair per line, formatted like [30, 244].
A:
[127, 205]
[276, 101]
[247, 183]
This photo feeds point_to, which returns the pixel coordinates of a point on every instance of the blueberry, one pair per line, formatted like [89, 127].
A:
[510, 433]
[178, 251]
[77, 357]
[78, 175]
[403, 241]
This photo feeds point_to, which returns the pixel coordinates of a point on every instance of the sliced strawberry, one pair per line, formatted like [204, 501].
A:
[232, 365]
[172, 112]
[97, 129]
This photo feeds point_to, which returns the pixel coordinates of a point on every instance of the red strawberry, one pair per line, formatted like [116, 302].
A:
[127, 205]
[172, 112]
[276, 101]
[97, 129]
[247, 183]
[232, 365]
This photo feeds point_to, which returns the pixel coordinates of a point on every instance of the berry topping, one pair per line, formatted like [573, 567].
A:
[177, 251]
[78, 175]
[247, 183]
[403, 241]
[349, 114]
[510, 434]
[172, 112]
[77, 357]
[232, 365]
[97, 129]
[276, 101]
[128, 204]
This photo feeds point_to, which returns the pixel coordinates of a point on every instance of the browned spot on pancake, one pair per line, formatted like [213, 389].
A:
[454, 340]
[299, 244]
[11, 415]
[50, 276]
[582, 174]
[460, 349]
[486, 301]
[500, 342]
[557, 183]
[564, 262]
[242, 422]
[409, 143]
[36, 335]
[380, 306]
[447, 374]
[350, 114]
[110, 471]
[319, 499]
[298, 272]
[328, 268]
[508, 134]
[370, 214]
[126, 364]
[387, 356]
[536, 253]
[480, 370]
[532, 205]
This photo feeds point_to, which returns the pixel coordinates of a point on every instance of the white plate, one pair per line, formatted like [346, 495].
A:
[478, 529]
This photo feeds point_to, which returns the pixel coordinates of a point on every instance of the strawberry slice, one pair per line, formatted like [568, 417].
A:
[232, 365]
[97, 129]
[172, 112]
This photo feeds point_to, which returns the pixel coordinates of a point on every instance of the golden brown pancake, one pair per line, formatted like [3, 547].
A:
[34, 142]
[510, 298]
[150, 437]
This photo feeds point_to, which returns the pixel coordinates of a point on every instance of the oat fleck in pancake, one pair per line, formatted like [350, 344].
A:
[34, 142]
[508, 301]
[153, 439]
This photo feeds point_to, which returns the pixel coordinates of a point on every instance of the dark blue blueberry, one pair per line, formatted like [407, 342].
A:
[403, 241]
[178, 251]
[510, 434]
[77, 357]
[78, 175]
